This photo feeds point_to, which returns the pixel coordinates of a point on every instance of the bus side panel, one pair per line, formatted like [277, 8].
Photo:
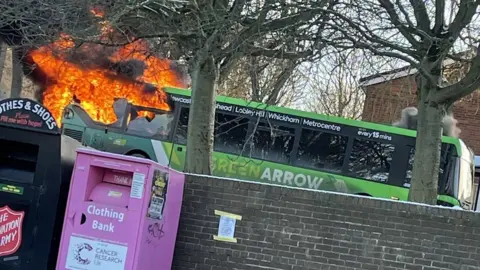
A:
[114, 142]
[166, 155]
[178, 155]
[127, 145]
[231, 166]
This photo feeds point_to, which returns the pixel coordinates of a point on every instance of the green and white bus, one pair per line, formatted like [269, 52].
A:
[276, 145]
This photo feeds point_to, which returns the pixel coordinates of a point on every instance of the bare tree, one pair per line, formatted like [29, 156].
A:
[262, 79]
[213, 37]
[3, 54]
[28, 24]
[421, 34]
[17, 73]
[334, 85]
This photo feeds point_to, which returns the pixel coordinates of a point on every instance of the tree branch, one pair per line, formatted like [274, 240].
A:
[465, 86]
[364, 45]
[273, 25]
[280, 83]
[280, 54]
[405, 14]
[439, 17]
[405, 31]
[421, 15]
[464, 16]
[171, 35]
[369, 36]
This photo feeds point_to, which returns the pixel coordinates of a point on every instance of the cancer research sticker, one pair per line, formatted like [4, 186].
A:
[10, 230]
[87, 254]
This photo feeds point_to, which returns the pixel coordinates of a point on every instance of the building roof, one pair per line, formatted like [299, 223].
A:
[394, 74]
[388, 76]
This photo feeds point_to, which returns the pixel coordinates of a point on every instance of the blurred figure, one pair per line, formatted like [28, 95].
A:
[119, 108]
[409, 119]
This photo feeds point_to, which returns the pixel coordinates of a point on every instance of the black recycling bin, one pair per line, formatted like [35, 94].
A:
[36, 165]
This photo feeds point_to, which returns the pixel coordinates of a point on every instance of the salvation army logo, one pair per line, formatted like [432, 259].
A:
[79, 253]
[10, 230]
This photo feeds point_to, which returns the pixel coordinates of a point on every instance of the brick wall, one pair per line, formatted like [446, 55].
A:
[294, 229]
[384, 102]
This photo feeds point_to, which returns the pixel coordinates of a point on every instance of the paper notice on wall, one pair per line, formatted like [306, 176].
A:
[87, 254]
[138, 185]
[226, 226]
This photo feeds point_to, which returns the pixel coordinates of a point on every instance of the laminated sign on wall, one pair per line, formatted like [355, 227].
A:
[226, 226]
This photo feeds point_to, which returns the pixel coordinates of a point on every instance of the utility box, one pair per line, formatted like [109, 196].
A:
[122, 213]
[35, 170]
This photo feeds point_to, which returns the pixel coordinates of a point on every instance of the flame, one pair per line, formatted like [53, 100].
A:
[96, 87]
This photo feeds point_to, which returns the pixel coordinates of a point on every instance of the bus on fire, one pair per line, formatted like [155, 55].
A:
[270, 144]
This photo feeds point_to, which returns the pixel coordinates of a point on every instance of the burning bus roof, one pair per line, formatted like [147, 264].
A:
[95, 75]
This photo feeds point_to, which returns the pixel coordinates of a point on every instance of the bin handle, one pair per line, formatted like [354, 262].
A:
[71, 218]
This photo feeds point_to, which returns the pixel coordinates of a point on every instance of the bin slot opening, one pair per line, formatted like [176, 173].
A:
[18, 161]
[108, 186]
[117, 177]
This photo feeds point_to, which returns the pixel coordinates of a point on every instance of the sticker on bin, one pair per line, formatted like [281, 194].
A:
[138, 185]
[156, 207]
[86, 254]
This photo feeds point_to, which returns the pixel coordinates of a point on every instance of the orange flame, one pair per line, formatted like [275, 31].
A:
[97, 87]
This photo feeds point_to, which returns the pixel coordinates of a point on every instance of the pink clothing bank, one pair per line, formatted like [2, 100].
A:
[122, 213]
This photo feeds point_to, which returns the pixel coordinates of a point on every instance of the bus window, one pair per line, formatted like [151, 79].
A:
[321, 150]
[152, 125]
[272, 142]
[371, 160]
[162, 125]
[119, 108]
[445, 166]
[182, 127]
[140, 126]
[230, 133]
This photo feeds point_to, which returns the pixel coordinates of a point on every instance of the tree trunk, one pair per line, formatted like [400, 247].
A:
[424, 183]
[3, 54]
[17, 74]
[201, 118]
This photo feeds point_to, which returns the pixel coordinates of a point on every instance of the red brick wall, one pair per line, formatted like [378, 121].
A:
[384, 101]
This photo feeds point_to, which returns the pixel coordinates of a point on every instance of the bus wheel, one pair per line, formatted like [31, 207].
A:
[136, 154]
[442, 203]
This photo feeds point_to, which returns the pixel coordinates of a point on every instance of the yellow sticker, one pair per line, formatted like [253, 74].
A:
[225, 239]
[11, 189]
[230, 215]
[159, 183]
